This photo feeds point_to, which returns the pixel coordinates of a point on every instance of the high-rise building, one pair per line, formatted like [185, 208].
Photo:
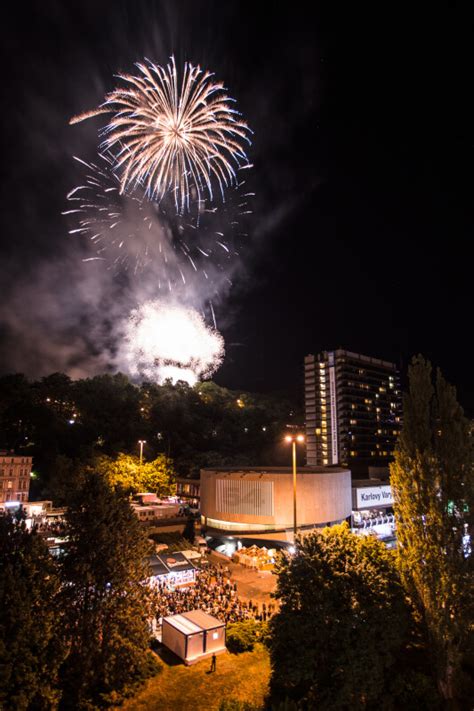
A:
[353, 410]
[15, 473]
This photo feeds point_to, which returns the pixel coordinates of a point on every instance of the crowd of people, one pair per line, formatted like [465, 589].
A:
[56, 527]
[214, 593]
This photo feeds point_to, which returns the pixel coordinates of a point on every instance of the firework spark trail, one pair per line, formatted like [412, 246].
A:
[171, 137]
[164, 341]
[130, 232]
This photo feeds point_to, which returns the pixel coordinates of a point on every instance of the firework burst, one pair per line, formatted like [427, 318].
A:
[173, 136]
[164, 341]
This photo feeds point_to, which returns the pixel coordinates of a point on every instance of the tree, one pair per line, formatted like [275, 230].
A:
[30, 652]
[105, 595]
[127, 472]
[432, 481]
[341, 623]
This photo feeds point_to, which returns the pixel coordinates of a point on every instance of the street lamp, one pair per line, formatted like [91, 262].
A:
[141, 442]
[294, 439]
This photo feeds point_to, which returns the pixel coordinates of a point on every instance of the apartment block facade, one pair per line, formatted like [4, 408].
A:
[15, 473]
[353, 410]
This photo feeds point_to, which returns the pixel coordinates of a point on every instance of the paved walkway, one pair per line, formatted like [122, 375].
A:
[252, 584]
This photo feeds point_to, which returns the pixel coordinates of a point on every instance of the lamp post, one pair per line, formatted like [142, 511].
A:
[141, 442]
[294, 439]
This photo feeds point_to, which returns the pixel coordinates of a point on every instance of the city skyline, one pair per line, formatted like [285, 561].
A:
[362, 215]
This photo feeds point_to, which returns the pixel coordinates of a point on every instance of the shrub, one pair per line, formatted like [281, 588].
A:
[242, 636]
[236, 705]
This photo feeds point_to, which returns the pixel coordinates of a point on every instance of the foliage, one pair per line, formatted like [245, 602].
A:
[127, 472]
[341, 623]
[30, 652]
[432, 480]
[105, 597]
[205, 425]
[242, 636]
[237, 705]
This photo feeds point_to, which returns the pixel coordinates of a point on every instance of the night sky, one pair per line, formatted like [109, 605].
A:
[363, 155]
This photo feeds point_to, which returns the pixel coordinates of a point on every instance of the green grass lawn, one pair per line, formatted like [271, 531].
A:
[239, 676]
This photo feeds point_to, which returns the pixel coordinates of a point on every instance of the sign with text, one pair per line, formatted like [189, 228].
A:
[369, 496]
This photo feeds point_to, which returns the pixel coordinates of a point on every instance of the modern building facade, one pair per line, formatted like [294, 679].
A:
[15, 473]
[353, 410]
[188, 489]
[260, 499]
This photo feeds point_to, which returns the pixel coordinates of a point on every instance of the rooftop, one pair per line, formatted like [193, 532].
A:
[275, 470]
[194, 621]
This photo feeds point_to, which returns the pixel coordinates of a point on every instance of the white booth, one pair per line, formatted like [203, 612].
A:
[193, 635]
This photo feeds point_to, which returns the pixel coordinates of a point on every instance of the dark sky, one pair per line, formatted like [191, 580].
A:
[363, 154]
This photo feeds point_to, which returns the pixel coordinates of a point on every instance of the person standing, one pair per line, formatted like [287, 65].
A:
[213, 663]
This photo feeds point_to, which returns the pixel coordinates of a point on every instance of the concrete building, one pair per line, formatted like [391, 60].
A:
[15, 473]
[260, 499]
[194, 635]
[155, 512]
[188, 490]
[353, 410]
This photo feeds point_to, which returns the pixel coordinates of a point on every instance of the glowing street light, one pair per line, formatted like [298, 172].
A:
[294, 438]
[141, 442]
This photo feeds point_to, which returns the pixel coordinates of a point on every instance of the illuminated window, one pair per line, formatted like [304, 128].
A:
[317, 430]
[353, 422]
[325, 461]
[353, 453]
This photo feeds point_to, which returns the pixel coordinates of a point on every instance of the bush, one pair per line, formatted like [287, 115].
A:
[236, 705]
[242, 636]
